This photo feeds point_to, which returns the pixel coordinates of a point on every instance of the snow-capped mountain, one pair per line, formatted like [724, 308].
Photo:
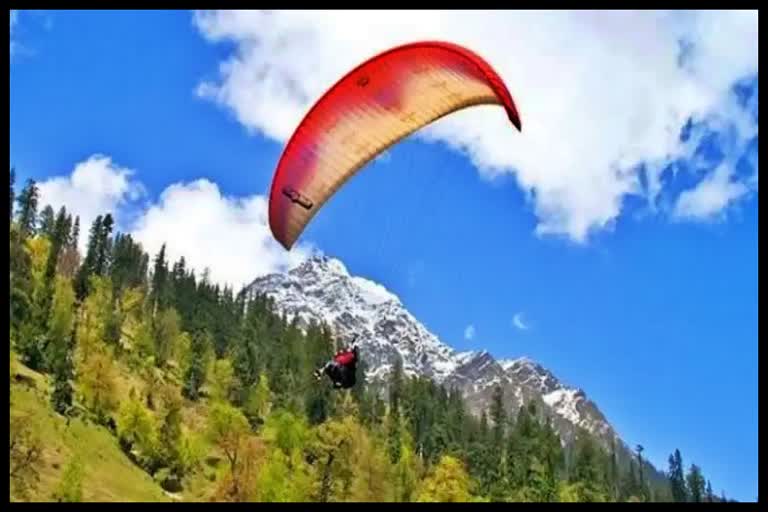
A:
[322, 289]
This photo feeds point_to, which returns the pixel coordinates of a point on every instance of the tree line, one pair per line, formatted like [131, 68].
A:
[191, 343]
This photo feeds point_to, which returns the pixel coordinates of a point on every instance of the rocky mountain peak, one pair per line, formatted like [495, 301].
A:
[322, 289]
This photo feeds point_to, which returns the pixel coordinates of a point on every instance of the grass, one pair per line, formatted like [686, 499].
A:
[108, 474]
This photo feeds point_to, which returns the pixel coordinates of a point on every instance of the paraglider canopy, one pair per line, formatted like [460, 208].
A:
[372, 107]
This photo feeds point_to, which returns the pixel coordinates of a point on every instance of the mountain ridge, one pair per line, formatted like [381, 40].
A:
[321, 289]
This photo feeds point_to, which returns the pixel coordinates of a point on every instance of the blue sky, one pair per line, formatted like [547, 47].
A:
[638, 286]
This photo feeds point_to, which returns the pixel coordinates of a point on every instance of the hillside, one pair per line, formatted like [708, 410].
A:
[108, 474]
[136, 380]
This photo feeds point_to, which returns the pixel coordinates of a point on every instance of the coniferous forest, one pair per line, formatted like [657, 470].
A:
[128, 367]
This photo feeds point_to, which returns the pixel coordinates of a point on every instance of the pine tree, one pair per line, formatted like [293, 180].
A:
[498, 416]
[27, 215]
[406, 471]
[61, 398]
[10, 200]
[710, 494]
[159, 280]
[127, 264]
[22, 286]
[59, 321]
[136, 430]
[394, 437]
[169, 433]
[75, 236]
[518, 450]
[614, 473]
[46, 221]
[695, 483]
[63, 372]
[676, 477]
[534, 457]
[247, 361]
[30, 335]
[69, 259]
[259, 402]
[222, 379]
[88, 268]
[119, 268]
[194, 376]
[93, 242]
[480, 455]
[57, 234]
[419, 407]
[166, 332]
[555, 456]
[643, 490]
[319, 400]
[96, 310]
[104, 246]
[97, 376]
[586, 470]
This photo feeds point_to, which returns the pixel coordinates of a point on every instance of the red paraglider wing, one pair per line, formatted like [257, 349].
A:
[371, 108]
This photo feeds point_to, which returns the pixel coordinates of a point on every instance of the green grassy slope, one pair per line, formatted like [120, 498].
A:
[108, 474]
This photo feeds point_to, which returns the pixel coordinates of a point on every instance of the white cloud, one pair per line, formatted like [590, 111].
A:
[228, 235]
[710, 197]
[720, 187]
[599, 92]
[469, 332]
[95, 187]
[517, 321]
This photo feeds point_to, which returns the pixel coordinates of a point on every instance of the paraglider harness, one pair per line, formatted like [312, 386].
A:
[342, 368]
